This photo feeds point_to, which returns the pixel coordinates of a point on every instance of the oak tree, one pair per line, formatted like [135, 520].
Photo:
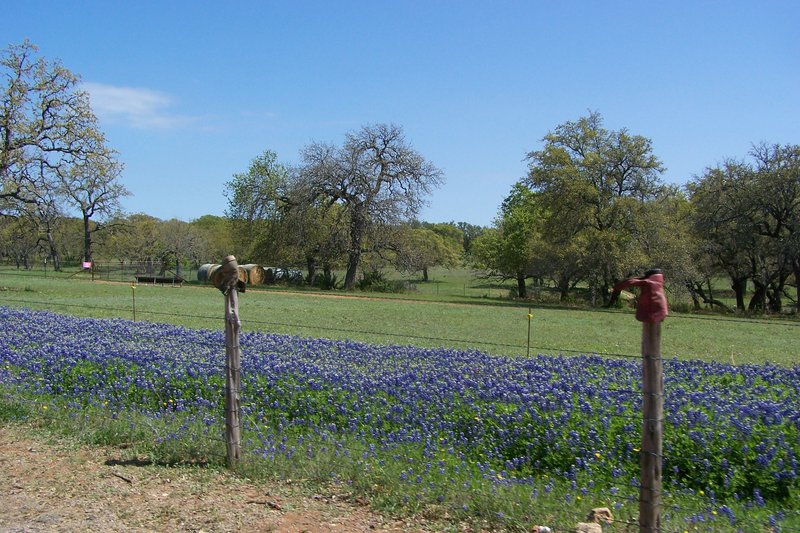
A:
[378, 179]
[593, 181]
[46, 124]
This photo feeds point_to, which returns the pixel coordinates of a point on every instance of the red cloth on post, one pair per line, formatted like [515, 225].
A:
[651, 306]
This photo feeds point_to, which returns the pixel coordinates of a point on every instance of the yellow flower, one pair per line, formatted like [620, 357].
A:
[701, 493]
[598, 455]
[530, 316]
[44, 407]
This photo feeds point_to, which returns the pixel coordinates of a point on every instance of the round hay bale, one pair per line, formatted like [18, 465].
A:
[255, 274]
[217, 273]
[204, 272]
[214, 275]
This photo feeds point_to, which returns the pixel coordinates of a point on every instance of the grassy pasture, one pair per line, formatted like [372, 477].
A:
[484, 319]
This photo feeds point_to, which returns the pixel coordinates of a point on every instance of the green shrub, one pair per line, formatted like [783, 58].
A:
[328, 281]
[375, 281]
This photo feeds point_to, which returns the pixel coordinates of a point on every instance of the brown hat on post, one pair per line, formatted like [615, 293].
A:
[228, 276]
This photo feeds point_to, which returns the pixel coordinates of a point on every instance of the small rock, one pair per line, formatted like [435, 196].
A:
[274, 505]
[600, 514]
[584, 527]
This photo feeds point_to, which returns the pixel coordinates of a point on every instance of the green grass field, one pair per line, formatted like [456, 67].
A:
[454, 310]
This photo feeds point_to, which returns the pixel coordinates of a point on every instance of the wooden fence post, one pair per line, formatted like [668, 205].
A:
[652, 428]
[651, 309]
[229, 281]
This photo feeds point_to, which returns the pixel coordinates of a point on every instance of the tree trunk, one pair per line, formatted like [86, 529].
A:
[693, 294]
[563, 294]
[758, 300]
[87, 239]
[739, 286]
[178, 269]
[605, 291]
[51, 243]
[796, 270]
[311, 265]
[708, 299]
[358, 223]
[775, 294]
[522, 290]
[328, 277]
[563, 288]
[352, 268]
[424, 273]
[710, 292]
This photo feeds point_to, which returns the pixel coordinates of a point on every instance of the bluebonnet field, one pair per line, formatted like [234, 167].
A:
[440, 427]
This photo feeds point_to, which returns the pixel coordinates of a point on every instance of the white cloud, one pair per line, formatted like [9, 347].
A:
[136, 107]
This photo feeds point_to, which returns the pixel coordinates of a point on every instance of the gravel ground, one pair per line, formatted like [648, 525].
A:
[57, 486]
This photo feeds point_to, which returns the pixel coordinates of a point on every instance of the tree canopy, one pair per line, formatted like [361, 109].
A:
[376, 177]
[747, 215]
[593, 182]
[52, 154]
[513, 249]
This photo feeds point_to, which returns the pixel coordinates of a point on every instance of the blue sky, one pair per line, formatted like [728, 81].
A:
[189, 92]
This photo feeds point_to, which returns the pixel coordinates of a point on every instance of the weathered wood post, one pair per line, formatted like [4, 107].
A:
[652, 428]
[651, 310]
[228, 282]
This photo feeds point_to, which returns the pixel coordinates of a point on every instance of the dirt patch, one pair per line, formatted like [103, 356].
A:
[48, 486]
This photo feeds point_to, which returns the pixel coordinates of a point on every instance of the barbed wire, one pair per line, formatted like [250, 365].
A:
[773, 321]
[260, 322]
